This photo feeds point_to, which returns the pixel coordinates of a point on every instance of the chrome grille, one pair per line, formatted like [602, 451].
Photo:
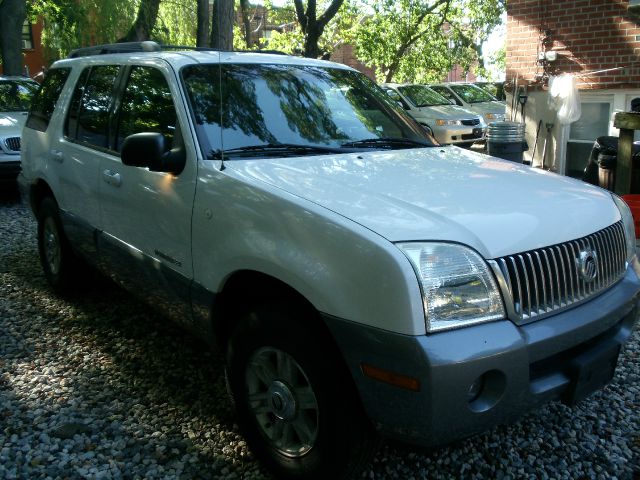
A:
[543, 281]
[12, 143]
[471, 122]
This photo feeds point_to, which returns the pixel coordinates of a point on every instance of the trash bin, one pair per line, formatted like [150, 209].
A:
[506, 140]
[604, 154]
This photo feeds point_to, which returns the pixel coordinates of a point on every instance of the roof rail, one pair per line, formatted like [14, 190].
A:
[125, 47]
[147, 46]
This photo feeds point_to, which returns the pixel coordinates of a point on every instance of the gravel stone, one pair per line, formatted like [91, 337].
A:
[98, 386]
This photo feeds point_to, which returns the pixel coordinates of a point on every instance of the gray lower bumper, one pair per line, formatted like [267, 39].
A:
[564, 357]
[9, 171]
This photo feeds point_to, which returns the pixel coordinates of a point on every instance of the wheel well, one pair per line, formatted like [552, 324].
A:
[39, 191]
[247, 288]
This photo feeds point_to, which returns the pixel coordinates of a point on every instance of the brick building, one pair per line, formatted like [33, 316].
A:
[33, 55]
[597, 41]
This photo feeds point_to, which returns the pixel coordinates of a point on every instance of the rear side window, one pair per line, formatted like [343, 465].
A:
[147, 106]
[44, 102]
[88, 119]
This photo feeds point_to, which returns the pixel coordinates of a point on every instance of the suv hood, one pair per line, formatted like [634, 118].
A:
[445, 112]
[11, 123]
[443, 193]
[489, 107]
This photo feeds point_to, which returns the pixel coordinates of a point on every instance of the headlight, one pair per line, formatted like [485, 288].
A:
[629, 226]
[458, 288]
[441, 122]
[494, 117]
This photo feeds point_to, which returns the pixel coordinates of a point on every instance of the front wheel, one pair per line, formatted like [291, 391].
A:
[297, 406]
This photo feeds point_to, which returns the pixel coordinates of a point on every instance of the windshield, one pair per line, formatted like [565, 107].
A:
[472, 94]
[243, 106]
[15, 95]
[423, 96]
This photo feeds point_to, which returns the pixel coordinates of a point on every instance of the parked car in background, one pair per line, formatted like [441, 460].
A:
[446, 122]
[473, 98]
[494, 88]
[15, 98]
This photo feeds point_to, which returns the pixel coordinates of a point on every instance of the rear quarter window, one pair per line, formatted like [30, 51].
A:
[44, 101]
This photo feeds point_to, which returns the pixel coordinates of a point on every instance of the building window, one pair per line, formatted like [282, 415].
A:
[593, 123]
[27, 36]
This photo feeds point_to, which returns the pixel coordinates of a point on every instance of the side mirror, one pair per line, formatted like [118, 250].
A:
[148, 150]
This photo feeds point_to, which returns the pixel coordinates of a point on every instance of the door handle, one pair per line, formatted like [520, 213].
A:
[56, 156]
[112, 178]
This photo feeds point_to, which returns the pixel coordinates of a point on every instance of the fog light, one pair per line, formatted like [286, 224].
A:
[475, 389]
[486, 391]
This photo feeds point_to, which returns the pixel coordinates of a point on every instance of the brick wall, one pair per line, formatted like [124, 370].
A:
[587, 35]
[345, 54]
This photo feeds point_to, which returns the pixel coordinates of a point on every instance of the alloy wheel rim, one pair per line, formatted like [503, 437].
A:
[282, 401]
[51, 246]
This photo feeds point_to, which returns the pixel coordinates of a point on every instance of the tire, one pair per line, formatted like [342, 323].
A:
[61, 266]
[296, 403]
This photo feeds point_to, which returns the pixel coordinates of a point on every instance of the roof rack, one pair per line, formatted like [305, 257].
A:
[147, 46]
[125, 47]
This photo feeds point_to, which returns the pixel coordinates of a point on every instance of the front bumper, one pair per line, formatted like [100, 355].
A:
[9, 168]
[456, 134]
[564, 357]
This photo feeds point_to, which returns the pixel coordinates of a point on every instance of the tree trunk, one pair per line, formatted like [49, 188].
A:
[246, 21]
[12, 15]
[145, 21]
[313, 26]
[311, 49]
[202, 35]
[222, 25]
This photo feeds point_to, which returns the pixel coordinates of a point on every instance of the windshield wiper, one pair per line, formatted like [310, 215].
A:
[272, 149]
[386, 142]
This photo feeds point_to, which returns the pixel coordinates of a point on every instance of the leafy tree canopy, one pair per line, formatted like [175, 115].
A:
[421, 40]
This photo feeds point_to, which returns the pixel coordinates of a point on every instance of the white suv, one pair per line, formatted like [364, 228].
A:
[358, 278]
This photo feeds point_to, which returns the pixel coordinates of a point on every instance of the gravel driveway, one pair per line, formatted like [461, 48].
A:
[100, 386]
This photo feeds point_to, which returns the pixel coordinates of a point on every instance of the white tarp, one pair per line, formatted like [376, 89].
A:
[565, 98]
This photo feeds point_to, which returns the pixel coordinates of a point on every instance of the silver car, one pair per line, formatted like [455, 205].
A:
[15, 98]
[473, 98]
[448, 123]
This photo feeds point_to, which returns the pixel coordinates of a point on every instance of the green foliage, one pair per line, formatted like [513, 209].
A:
[341, 29]
[421, 40]
[70, 24]
[177, 22]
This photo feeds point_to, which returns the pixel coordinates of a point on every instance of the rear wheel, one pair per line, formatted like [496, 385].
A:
[60, 264]
[297, 406]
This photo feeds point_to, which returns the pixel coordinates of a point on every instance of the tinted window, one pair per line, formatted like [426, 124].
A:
[422, 96]
[44, 101]
[250, 105]
[93, 119]
[71, 124]
[147, 106]
[472, 94]
[446, 93]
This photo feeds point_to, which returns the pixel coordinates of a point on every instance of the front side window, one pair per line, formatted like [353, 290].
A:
[96, 98]
[422, 96]
[44, 101]
[238, 106]
[472, 94]
[147, 106]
